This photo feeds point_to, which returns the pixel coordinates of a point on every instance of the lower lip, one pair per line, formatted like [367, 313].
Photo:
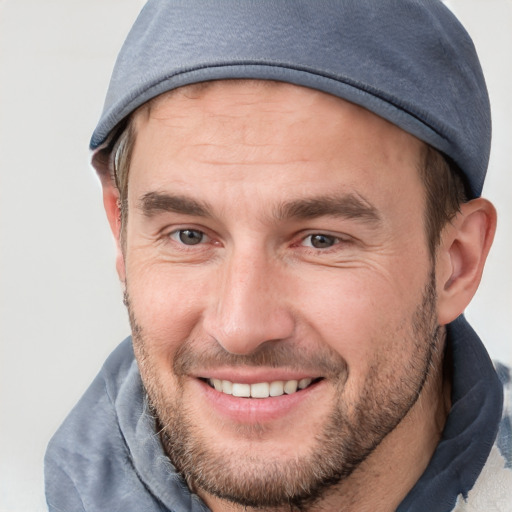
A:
[256, 410]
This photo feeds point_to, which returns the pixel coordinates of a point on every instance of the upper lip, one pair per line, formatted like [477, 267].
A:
[254, 376]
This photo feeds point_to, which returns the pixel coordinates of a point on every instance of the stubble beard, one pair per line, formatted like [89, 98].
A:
[340, 446]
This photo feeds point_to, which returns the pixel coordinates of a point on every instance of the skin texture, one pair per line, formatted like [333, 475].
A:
[253, 173]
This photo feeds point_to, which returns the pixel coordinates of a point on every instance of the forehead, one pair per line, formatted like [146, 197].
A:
[244, 129]
[212, 97]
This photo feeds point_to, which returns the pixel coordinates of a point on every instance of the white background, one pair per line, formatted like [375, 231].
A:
[60, 303]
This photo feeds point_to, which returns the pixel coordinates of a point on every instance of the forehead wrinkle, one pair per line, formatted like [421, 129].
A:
[350, 206]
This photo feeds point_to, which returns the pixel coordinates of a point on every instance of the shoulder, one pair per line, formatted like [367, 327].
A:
[95, 410]
[88, 464]
[493, 488]
[504, 439]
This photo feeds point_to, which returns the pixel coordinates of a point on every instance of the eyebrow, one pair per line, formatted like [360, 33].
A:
[153, 203]
[349, 206]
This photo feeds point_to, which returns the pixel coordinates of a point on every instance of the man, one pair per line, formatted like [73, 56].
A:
[294, 189]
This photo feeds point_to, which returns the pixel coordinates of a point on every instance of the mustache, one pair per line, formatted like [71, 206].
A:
[208, 353]
[204, 355]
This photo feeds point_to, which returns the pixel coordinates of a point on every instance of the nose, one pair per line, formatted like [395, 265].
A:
[250, 305]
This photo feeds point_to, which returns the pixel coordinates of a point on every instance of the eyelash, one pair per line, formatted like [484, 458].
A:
[177, 234]
[334, 239]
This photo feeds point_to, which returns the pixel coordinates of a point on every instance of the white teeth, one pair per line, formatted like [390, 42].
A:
[260, 389]
[227, 387]
[242, 390]
[276, 388]
[290, 387]
[304, 383]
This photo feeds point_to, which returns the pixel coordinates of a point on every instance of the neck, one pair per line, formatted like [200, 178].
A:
[394, 466]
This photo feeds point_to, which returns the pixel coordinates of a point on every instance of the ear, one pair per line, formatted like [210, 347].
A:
[111, 202]
[460, 259]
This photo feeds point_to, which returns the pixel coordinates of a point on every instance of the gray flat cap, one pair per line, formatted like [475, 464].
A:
[408, 61]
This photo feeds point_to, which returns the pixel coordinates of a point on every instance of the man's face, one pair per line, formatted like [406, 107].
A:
[275, 241]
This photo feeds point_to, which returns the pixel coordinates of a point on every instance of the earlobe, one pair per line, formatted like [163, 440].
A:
[461, 256]
[111, 202]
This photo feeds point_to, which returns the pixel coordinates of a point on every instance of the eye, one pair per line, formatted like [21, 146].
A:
[320, 241]
[189, 236]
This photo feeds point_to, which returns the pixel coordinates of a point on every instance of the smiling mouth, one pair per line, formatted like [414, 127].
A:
[261, 389]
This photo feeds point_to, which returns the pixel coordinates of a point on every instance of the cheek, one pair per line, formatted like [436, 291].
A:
[167, 302]
[364, 316]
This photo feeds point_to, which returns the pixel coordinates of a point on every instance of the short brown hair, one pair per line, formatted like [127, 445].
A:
[445, 191]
